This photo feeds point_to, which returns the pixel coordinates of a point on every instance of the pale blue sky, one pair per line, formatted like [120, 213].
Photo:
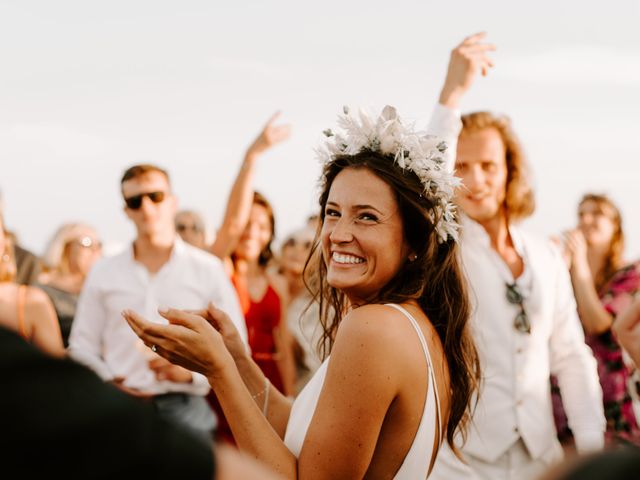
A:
[89, 88]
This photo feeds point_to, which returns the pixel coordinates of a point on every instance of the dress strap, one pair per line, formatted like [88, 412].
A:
[22, 299]
[425, 348]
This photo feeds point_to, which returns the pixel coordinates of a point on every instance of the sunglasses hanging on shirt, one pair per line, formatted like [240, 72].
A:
[514, 297]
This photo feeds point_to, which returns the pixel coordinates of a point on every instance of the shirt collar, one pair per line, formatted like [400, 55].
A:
[472, 230]
[178, 249]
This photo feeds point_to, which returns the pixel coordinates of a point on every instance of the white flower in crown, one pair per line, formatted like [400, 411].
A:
[410, 149]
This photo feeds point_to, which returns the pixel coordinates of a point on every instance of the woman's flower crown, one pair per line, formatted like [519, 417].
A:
[416, 151]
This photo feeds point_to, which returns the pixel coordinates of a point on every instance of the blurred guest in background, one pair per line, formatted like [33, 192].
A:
[191, 228]
[28, 264]
[157, 269]
[26, 309]
[303, 313]
[604, 285]
[69, 256]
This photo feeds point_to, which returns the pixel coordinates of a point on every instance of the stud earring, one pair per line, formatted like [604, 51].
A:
[413, 257]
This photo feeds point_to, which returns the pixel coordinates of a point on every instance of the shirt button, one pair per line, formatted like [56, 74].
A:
[519, 350]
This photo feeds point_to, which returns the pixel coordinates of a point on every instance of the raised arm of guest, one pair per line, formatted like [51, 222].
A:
[595, 318]
[241, 196]
[467, 60]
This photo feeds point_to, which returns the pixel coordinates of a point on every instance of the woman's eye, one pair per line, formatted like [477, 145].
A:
[331, 213]
[369, 217]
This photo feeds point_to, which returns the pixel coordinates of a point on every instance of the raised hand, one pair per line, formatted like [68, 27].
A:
[467, 60]
[189, 340]
[576, 246]
[270, 135]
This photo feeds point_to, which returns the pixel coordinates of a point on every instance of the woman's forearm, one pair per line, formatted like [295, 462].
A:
[278, 406]
[595, 319]
[252, 432]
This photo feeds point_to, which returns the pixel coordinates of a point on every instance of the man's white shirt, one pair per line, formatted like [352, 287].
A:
[102, 339]
[514, 400]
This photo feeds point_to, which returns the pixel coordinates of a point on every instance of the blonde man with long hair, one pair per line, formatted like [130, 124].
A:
[524, 318]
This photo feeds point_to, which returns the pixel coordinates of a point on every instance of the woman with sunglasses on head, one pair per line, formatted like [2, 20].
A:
[190, 226]
[26, 309]
[604, 285]
[303, 313]
[401, 369]
[70, 254]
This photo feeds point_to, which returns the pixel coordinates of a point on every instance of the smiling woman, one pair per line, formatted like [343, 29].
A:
[393, 305]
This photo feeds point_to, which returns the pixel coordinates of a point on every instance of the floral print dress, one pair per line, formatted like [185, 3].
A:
[613, 371]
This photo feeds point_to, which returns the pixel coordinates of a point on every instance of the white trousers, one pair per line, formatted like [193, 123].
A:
[514, 464]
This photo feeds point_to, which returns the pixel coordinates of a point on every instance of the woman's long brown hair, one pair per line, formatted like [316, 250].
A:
[435, 280]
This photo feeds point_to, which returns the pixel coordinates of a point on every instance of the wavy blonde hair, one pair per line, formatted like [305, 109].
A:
[56, 256]
[519, 198]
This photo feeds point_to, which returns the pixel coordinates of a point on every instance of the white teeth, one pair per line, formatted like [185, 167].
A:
[342, 258]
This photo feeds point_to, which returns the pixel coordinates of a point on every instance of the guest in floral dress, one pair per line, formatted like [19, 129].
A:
[604, 285]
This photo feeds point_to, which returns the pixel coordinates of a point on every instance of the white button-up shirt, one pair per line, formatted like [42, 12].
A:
[102, 339]
[515, 399]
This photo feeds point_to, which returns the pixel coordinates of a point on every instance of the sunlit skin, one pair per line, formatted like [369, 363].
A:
[596, 224]
[151, 219]
[361, 220]
[256, 234]
[481, 165]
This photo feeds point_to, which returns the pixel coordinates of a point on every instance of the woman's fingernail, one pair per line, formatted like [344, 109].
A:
[163, 310]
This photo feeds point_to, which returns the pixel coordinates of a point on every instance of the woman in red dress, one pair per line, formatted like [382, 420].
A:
[243, 242]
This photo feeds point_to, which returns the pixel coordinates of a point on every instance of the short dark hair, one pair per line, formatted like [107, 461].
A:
[141, 170]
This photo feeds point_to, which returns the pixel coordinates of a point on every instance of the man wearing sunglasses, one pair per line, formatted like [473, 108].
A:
[524, 319]
[158, 269]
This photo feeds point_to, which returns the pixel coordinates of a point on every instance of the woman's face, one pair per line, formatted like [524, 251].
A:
[295, 251]
[190, 229]
[84, 250]
[363, 242]
[257, 234]
[596, 221]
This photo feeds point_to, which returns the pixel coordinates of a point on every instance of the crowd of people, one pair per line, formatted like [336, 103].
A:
[411, 328]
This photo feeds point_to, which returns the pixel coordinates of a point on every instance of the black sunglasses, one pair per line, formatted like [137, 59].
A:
[514, 297]
[181, 227]
[135, 202]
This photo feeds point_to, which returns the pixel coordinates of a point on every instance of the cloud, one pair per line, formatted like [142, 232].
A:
[574, 65]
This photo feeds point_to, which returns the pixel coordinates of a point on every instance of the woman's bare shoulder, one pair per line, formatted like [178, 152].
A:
[36, 299]
[376, 326]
